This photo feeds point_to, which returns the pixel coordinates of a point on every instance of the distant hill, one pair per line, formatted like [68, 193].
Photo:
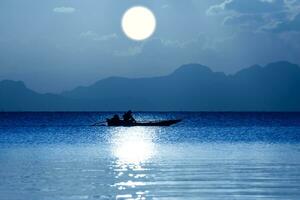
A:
[192, 87]
[14, 96]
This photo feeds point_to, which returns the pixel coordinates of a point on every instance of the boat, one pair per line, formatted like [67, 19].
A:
[146, 123]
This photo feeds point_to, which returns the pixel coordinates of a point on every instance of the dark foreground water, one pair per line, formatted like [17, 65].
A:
[58, 156]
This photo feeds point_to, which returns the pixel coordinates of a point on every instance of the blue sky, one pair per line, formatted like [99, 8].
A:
[56, 45]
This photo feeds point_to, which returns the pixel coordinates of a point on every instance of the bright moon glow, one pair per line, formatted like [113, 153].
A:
[138, 23]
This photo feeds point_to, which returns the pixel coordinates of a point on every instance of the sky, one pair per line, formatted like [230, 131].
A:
[57, 45]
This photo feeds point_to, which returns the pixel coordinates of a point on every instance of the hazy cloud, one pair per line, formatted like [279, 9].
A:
[246, 6]
[67, 10]
[95, 36]
[255, 6]
[259, 15]
[290, 25]
[218, 9]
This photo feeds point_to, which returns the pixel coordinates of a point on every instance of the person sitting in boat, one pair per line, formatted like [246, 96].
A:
[115, 119]
[128, 118]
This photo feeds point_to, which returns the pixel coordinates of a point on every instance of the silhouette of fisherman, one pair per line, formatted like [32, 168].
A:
[115, 119]
[128, 118]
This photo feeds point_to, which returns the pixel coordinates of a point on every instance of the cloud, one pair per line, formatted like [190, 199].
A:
[293, 6]
[218, 9]
[244, 20]
[259, 15]
[290, 25]
[66, 10]
[95, 36]
[246, 6]
[255, 6]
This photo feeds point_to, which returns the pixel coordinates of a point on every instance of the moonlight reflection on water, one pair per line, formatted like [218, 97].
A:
[132, 148]
[133, 145]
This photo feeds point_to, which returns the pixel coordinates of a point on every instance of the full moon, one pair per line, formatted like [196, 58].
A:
[138, 23]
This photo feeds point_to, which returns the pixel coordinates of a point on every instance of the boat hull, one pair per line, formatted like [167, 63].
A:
[154, 123]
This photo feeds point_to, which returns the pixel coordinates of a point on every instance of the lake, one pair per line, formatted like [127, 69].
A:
[47, 156]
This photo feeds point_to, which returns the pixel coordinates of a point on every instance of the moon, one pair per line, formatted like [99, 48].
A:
[138, 23]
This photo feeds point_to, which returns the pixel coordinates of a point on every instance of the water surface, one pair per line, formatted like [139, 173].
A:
[207, 156]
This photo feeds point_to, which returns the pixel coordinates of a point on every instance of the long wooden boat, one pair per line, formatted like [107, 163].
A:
[148, 123]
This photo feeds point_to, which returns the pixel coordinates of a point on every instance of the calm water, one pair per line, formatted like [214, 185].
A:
[207, 156]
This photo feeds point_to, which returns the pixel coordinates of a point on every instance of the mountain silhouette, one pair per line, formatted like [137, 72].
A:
[14, 96]
[192, 87]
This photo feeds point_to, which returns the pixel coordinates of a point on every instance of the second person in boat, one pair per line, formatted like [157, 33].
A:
[128, 118]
